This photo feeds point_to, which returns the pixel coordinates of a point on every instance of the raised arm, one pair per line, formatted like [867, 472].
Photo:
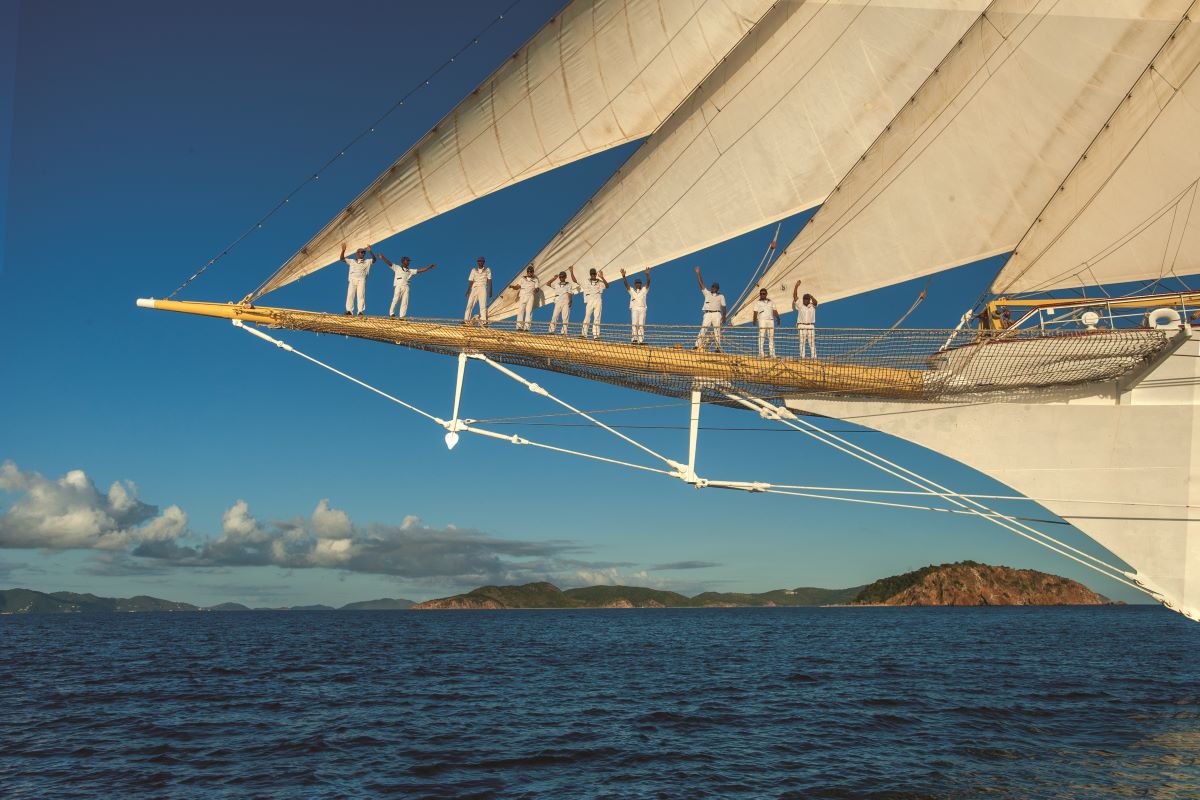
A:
[796, 292]
[422, 269]
[699, 280]
[626, 280]
[647, 271]
[571, 272]
[371, 253]
[343, 255]
[603, 279]
[386, 260]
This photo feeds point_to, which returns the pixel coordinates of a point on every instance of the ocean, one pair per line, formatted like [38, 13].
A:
[688, 703]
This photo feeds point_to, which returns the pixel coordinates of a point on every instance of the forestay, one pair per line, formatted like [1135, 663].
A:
[966, 166]
[1128, 211]
[600, 74]
[766, 135]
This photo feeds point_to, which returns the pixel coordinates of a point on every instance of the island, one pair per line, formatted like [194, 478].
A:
[964, 583]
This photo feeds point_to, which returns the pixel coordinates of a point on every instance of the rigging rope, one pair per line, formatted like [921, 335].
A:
[763, 263]
[911, 477]
[928, 486]
[316, 175]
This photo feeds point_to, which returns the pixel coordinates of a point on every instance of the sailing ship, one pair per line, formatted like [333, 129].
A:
[928, 135]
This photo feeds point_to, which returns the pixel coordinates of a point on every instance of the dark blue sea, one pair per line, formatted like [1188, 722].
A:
[761, 703]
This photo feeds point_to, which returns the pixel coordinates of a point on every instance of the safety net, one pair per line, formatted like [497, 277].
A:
[674, 360]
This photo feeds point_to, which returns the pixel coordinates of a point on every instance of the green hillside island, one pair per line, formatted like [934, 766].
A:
[547, 595]
[28, 601]
[966, 583]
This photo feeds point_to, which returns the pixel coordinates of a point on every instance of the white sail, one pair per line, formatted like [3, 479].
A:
[1128, 211]
[964, 169]
[766, 135]
[600, 74]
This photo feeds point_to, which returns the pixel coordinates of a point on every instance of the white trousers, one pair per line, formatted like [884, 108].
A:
[356, 287]
[400, 296]
[525, 311]
[806, 333]
[768, 333]
[478, 296]
[591, 312]
[638, 331]
[712, 319]
[562, 309]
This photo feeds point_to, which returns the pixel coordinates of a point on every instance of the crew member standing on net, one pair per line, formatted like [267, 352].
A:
[527, 288]
[356, 286]
[593, 300]
[714, 313]
[806, 321]
[766, 318]
[404, 274]
[637, 307]
[479, 291]
[562, 290]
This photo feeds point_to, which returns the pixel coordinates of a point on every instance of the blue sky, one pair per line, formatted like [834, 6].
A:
[146, 136]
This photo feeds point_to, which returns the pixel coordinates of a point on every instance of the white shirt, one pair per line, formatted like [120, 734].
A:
[592, 289]
[358, 269]
[563, 290]
[766, 313]
[713, 302]
[805, 315]
[527, 286]
[403, 275]
[637, 297]
[479, 277]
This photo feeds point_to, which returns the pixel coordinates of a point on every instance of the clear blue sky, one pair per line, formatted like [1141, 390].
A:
[146, 136]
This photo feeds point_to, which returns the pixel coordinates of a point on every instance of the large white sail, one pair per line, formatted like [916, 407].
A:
[600, 74]
[965, 168]
[1128, 211]
[766, 135]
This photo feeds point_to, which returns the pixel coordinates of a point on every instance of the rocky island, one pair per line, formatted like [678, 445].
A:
[966, 583]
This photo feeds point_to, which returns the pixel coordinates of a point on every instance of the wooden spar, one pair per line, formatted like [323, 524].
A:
[787, 374]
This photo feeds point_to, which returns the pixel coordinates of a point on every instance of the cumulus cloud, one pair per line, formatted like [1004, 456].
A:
[328, 538]
[71, 513]
[135, 538]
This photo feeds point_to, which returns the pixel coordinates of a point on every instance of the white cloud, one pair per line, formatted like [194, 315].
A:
[70, 513]
[134, 537]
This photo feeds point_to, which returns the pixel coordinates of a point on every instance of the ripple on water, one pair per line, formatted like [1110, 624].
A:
[811, 703]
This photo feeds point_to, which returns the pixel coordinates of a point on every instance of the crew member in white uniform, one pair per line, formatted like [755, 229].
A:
[562, 289]
[714, 313]
[637, 307]
[404, 274]
[479, 291]
[526, 288]
[356, 286]
[593, 300]
[806, 320]
[766, 317]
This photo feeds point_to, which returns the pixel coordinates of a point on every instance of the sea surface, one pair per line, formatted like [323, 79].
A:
[688, 703]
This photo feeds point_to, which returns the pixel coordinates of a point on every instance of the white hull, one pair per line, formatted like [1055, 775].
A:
[1135, 440]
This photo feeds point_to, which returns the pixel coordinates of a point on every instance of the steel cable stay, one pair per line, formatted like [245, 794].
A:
[786, 417]
[967, 505]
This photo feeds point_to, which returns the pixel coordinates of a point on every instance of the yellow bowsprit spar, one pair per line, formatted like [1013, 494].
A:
[667, 366]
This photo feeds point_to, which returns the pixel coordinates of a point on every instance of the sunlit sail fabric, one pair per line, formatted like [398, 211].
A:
[1128, 211]
[600, 74]
[766, 135]
[965, 168]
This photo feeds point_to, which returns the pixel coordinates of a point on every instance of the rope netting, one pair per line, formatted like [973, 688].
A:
[894, 364]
